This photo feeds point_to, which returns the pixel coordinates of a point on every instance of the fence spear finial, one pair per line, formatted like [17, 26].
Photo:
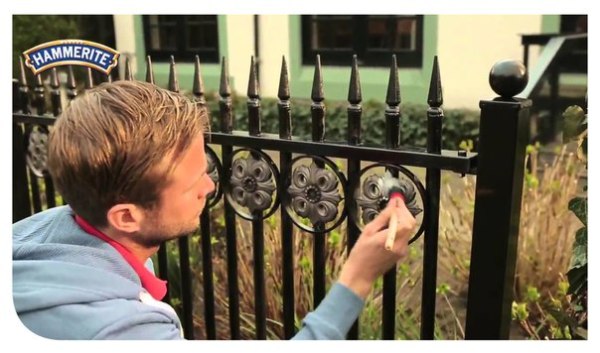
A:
[253, 88]
[71, 78]
[89, 78]
[22, 75]
[54, 79]
[354, 91]
[224, 89]
[435, 98]
[317, 87]
[149, 71]
[392, 97]
[173, 83]
[198, 88]
[128, 73]
[284, 84]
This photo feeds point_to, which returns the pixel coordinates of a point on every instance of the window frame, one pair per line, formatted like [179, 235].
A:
[181, 53]
[366, 57]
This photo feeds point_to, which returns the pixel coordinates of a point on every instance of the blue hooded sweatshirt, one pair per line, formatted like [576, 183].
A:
[68, 284]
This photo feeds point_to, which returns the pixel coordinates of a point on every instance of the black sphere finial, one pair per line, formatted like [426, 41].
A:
[508, 78]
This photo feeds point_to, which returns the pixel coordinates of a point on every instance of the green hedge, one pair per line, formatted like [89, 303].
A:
[458, 124]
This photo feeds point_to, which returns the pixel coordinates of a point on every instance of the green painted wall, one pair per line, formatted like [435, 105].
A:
[550, 23]
[414, 83]
[185, 71]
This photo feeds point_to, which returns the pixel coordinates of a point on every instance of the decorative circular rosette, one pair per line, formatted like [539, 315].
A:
[253, 184]
[314, 194]
[214, 171]
[37, 150]
[372, 194]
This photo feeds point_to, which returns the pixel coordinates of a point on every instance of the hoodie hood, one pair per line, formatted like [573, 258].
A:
[68, 284]
[65, 265]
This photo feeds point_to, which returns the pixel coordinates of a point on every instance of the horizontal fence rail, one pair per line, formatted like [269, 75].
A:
[306, 186]
[414, 157]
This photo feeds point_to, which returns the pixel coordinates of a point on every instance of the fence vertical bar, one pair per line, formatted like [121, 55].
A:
[163, 270]
[353, 168]
[41, 110]
[207, 268]
[434, 145]
[225, 110]
[392, 141]
[55, 93]
[258, 242]
[503, 137]
[39, 95]
[207, 275]
[29, 128]
[183, 243]
[21, 201]
[287, 229]
[23, 89]
[56, 111]
[317, 110]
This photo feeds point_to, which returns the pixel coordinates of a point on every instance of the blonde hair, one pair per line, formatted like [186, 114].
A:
[108, 144]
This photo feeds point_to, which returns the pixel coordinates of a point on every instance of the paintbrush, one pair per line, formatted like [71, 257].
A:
[395, 193]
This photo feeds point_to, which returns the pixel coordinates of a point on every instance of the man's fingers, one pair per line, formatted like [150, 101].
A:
[379, 222]
[383, 219]
[399, 246]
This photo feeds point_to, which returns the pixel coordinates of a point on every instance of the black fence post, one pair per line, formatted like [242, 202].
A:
[392, 141]
[163, 262]
[435, 116]
[226, 117]
[207, 266]
[317, 111]
[258, 239]
[353, 168]
[287, 228]
[21, 204]
[504, 134]
[187, 292]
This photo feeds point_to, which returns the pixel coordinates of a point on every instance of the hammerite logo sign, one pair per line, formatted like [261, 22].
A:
[71, 52]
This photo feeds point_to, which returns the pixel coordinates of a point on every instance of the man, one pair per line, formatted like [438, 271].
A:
[128, 157]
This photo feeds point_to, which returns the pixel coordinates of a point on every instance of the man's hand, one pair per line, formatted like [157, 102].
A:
[369, 259]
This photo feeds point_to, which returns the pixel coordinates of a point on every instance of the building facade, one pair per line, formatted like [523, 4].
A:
[466, 45]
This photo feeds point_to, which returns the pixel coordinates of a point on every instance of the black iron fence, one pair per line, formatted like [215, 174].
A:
[315, 195]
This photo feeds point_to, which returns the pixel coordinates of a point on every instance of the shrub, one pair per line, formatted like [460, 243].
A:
[459, 124]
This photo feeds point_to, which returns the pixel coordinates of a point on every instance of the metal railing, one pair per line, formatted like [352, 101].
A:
[315, 195]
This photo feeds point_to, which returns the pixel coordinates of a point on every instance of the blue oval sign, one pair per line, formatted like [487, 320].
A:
[71, 52]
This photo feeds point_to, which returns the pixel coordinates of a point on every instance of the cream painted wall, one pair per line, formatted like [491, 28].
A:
[274, 40]
[468, 46]
[125, 41]
[240, 47]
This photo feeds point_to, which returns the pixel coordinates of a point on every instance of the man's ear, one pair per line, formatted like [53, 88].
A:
[125, 217]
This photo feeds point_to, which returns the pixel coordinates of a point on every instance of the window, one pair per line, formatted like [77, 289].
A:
[570, 24]
[373, 38]
[182, 36]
